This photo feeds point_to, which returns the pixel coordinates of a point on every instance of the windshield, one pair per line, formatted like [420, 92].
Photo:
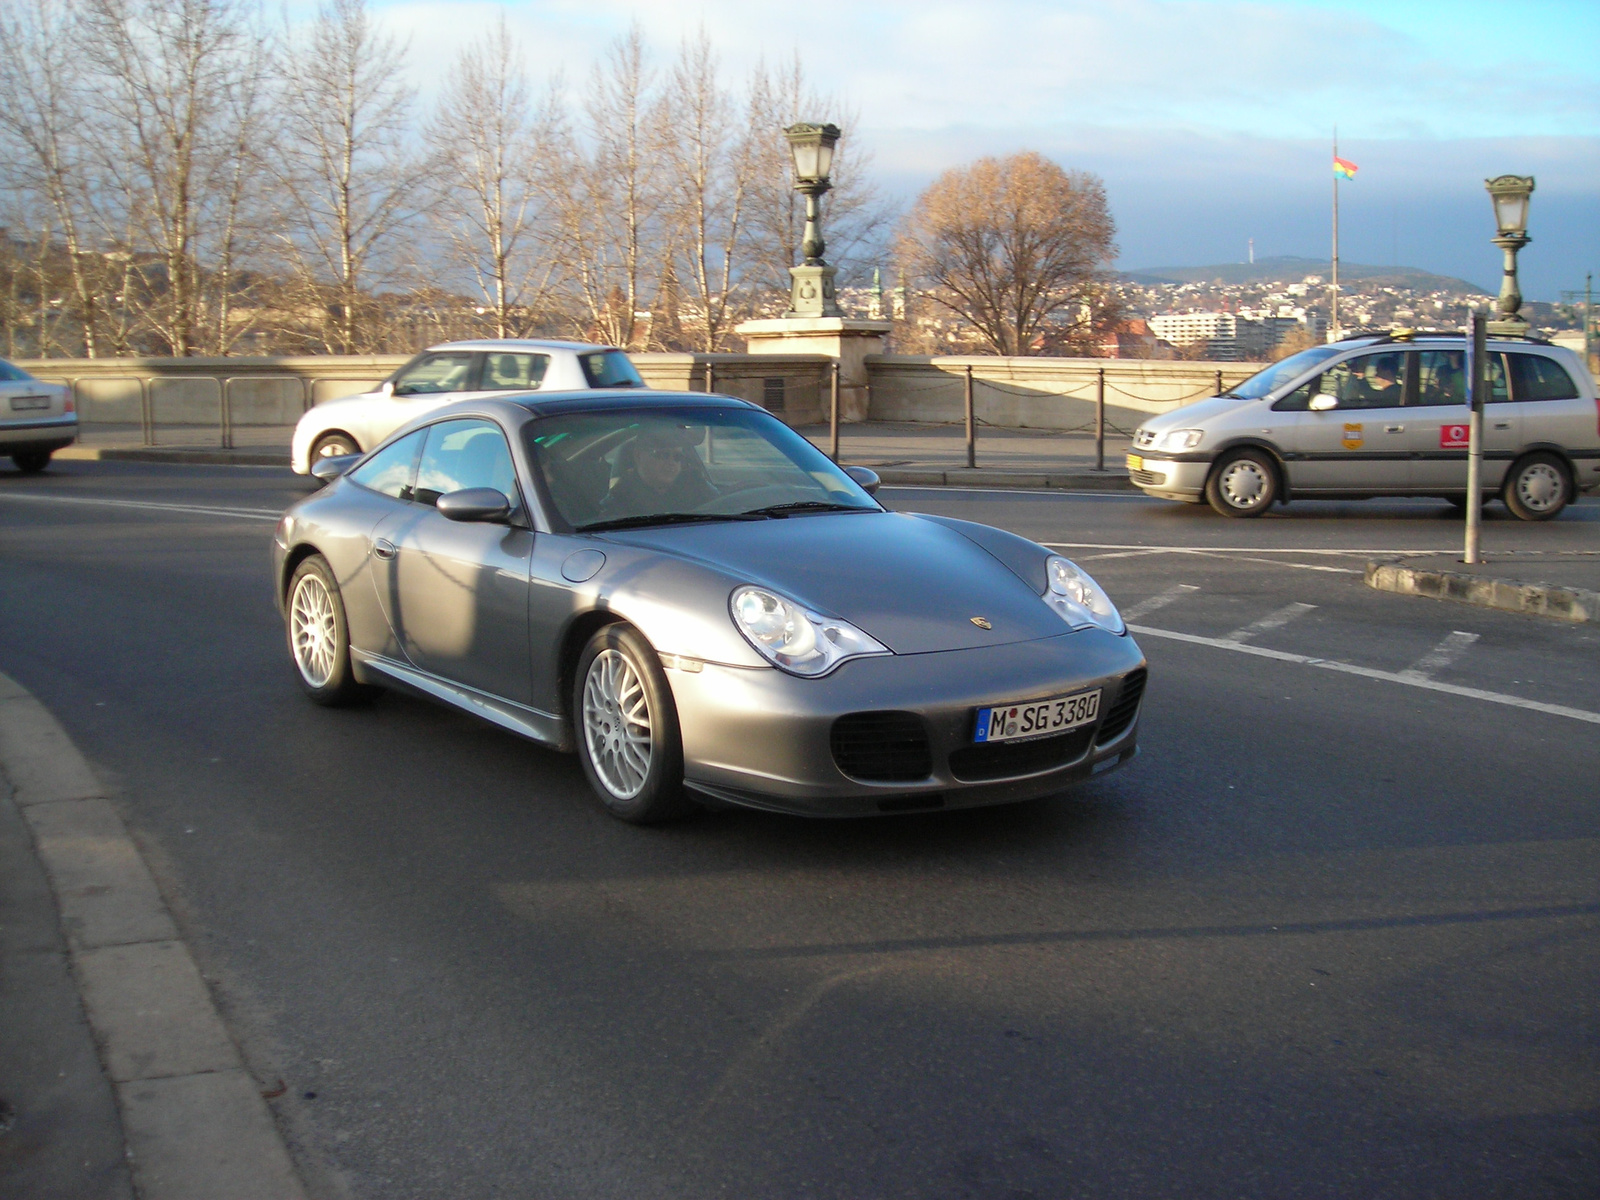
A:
[13, 374]
[1264, 383]
[609, 369]
[666, 465]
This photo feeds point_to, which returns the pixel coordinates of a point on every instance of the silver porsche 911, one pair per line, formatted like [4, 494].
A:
[705, 608]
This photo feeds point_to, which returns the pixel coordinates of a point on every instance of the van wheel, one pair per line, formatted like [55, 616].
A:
[1244, 484]
[1537, 487]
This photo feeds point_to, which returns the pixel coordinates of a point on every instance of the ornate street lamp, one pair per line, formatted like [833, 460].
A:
[1510, 195]
[811, 148]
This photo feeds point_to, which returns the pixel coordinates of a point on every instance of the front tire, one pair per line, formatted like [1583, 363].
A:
[1244, 484]
[627, 728]
[1537, 487]
[333, 445]
[319, 636]
[30, 462]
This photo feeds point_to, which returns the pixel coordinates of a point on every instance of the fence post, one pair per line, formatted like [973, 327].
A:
[147, 417]
[1100, 421]
[225, 417]
[1219, 382]
[833, 413]
[972, 424]
[711, 376]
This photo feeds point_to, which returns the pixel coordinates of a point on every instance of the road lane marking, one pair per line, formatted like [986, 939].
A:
[1273, 620]
[1228, 549]
[1271, 562]
[206, 510]
[1160, 600]
[1328, 664]
[1450, 648]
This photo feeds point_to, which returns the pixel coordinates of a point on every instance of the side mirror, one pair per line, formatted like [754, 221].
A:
[386, 389]
[329, 469]
[1322, 402]
[866, 478]
[474, 504]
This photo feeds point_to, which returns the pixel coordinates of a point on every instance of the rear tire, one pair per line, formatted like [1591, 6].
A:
[319, 637]
[30, 462]
[1244, 484]
[1537, 487]
[626, 727]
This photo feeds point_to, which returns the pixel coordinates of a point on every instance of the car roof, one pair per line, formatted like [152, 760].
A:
[505, 344]
[543, 404]
[1408, 337]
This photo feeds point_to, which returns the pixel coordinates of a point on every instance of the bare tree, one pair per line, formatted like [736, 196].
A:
[608, 200]
[44, 107]
[487, 136]
[352, 183]
[1017, 247]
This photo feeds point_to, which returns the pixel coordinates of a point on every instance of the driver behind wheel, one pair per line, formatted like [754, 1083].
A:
[660, 473]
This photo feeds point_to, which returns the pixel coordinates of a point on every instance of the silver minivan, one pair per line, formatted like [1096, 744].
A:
[1382, 415]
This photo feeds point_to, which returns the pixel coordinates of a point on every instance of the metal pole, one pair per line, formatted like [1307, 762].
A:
[147, 418]
[972, 424]
[1588, 321]
[1476, 386]
[1100, 422]
[711, 376]
[1219, 383]
[1333, 302]
[833, 415]
[227, 414]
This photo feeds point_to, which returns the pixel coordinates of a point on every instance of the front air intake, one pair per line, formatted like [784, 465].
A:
[882, 747]
[1121, 714]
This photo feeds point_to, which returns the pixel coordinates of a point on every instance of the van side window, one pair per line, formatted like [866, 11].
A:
[1536, 377]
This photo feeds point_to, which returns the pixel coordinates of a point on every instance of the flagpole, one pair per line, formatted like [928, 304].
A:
[1334, 321]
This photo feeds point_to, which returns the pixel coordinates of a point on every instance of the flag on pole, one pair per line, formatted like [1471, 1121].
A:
[1344, 167]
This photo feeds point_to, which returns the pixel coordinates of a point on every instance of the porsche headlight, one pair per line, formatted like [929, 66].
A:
[1078, 598]
[794, 638]
[1181, 439]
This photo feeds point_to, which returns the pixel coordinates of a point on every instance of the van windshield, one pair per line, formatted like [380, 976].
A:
[1265, 382]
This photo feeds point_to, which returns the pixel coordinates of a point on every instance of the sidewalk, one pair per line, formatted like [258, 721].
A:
[901, 453]
[1544, 583]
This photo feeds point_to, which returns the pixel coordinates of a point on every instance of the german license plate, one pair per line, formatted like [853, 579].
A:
[29, 403]
[1135, 462]
[1036, 718]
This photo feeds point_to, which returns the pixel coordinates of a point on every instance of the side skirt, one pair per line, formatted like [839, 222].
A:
[547, 729]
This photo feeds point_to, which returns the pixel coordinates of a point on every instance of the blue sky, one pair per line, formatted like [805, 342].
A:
[1210, 120]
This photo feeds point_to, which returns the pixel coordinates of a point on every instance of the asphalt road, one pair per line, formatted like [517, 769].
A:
[1333, 934]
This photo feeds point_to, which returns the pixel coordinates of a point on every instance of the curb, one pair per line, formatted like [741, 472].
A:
[978, 477]
[158, 454]
[1507, 595]
[196, 1125]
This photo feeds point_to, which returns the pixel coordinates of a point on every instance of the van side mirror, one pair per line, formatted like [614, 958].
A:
[386, 389]
[1322, 402]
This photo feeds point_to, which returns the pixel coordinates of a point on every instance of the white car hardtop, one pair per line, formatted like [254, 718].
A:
[450, 372]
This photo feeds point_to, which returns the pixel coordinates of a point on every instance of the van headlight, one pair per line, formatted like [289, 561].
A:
[1181, 439]
[1079, 599]
[794, 638]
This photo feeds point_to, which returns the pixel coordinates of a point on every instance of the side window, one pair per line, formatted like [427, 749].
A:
[1539, 378]
[1440, 378]
[1368, 381]
[391, 469]
[1496, 371]
[465, 454]
[513, 372]
[434, 374]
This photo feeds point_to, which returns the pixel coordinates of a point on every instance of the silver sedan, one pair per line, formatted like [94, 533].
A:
[706, 609]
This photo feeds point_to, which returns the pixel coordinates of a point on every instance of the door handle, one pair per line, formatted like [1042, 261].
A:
[1394, 428]
[1502, 424]
[383, 548]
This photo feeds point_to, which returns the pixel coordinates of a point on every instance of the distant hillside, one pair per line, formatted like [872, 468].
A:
[1290, 269]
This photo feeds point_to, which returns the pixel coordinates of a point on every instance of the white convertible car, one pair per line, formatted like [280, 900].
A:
[448, 373]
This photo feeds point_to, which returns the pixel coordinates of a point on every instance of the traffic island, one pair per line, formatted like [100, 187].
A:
[1562, 585]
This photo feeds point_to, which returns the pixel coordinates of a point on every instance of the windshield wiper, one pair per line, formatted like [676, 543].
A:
[794, 506]
[660, 519]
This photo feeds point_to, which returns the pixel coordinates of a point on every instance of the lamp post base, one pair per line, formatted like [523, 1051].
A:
[812, 293]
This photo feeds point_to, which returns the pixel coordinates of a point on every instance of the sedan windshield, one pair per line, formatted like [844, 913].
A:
[1265, 382]
[656, 466]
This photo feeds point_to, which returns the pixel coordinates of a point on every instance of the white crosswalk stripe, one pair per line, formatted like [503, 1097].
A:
[1158, 601]
[1273, 620]
[1450, 648]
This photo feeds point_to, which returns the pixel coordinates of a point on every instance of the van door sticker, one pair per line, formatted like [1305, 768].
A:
[1453, 437]
[1352, 436]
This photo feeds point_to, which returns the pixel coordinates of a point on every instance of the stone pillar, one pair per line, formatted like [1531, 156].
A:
[846, 340]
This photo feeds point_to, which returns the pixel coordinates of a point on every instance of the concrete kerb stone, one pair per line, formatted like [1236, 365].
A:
[196, 1124]
[1507, 595]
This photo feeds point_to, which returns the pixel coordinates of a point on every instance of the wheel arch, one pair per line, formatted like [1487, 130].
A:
[578, 632]
[292, 559]
[1279, 463]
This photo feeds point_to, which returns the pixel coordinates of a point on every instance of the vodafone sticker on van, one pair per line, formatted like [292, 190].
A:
[1453, 437]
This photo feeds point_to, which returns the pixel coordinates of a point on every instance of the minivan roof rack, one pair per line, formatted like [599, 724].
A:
[1411, 335]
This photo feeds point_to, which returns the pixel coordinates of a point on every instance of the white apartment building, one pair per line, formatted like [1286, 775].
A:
[1247, 336]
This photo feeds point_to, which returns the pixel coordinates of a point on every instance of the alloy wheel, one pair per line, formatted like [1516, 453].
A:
[616, 724]
[313, 630]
